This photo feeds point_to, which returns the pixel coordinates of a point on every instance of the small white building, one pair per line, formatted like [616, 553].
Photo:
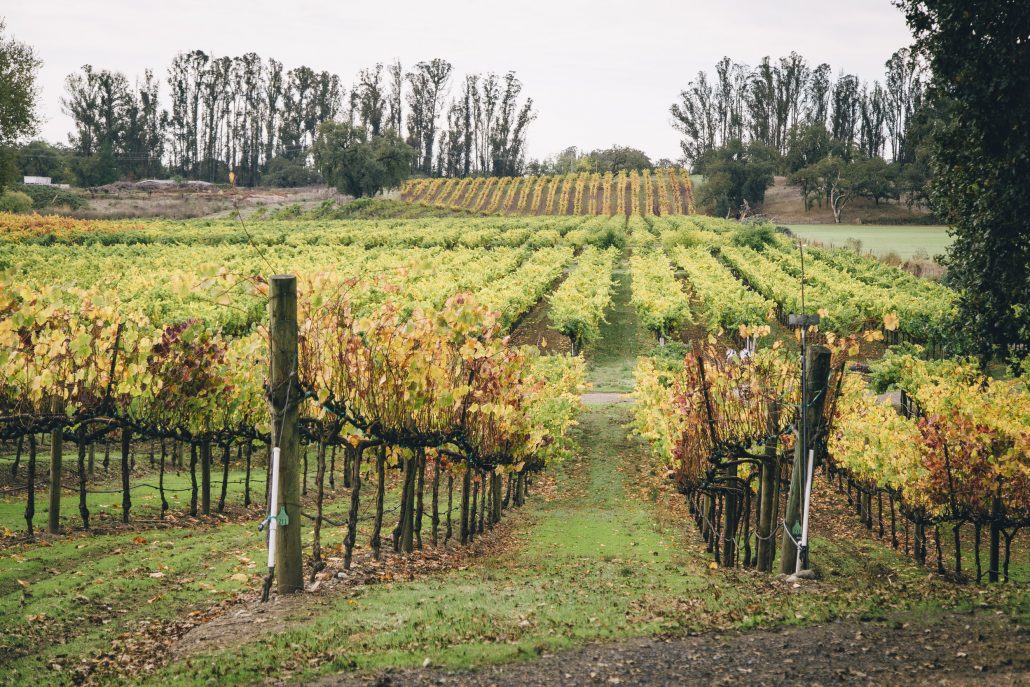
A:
[38, 181]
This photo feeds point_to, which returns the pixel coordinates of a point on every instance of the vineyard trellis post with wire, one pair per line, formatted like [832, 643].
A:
[284, 395]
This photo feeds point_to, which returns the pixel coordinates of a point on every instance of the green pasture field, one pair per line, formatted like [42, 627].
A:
[905, 240]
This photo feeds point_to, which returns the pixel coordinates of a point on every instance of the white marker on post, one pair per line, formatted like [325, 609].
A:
[273, 507]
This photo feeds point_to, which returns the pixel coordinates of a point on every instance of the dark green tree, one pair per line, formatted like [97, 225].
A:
[806, 145]
[979, 55]
[40, 159]
[617, 159]
[18, 69]
[284, 172]
[360, 165]
[97, 169]
[736, 178]
[880, 179]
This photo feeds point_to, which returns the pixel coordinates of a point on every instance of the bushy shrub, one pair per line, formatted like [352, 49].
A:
[15, 201]
[688, 238]
[754, 236]
[286, 173]
[51, 196]
[610, 237]
[292, 211]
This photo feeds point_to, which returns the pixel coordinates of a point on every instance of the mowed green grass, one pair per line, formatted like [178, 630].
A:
[905, 240]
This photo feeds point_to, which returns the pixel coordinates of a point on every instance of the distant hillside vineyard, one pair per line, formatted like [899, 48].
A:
[662, 192]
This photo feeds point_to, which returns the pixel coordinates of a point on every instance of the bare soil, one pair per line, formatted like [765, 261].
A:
[187, 204]
[783, 205]
[535, 329]
[981, 648]
[600, 398]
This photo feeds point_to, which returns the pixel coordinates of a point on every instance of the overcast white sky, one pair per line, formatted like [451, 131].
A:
[600, 72]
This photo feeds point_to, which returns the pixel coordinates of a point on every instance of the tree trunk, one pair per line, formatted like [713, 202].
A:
[472, 518]
[304, 490]
[402, 505]
[466, 488]
[894, 522]
[404, 541]
[83, 508]
[519, 481]
[994, 561]
[205, 477]
[482, 500]
[496, 501]
[193, 479]
[435, 523]
[729, 541]
[377, 527]
[713, 538]
[420, 488]
[919, 542]
[30, 503]
[348, 456]
[247, 451]
[958, 549]
[976, 551]
[56, 455]
[450, 508]
[316, 537]
[226, 452]
[352, 459]
[161, 480]
[126, 497]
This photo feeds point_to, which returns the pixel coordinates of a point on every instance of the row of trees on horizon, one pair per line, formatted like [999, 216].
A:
[836, 138]
[261, 120]
[740, 126]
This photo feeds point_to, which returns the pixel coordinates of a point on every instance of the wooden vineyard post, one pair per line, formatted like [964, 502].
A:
[817, 373]
[284, 393]
[53, 525]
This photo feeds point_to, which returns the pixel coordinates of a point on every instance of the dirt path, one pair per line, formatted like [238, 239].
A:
[600, 398]
[952, 649]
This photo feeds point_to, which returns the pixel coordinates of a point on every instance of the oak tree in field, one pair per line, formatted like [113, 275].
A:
[358, 164]
[838, 181]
